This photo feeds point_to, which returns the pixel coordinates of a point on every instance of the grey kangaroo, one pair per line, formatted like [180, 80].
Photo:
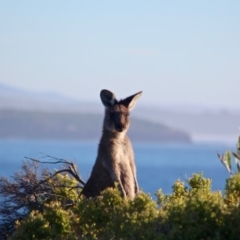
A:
[115, 159]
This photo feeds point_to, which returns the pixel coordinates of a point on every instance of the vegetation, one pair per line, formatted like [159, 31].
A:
[53, 208]
[190, 212]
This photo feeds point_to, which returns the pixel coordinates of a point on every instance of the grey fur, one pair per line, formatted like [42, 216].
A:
[115, 159]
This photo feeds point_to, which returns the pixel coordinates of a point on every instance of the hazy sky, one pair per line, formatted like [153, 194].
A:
[177, 52]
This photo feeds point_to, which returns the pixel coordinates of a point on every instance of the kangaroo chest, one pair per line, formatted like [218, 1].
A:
[121, 154]
[123, 158]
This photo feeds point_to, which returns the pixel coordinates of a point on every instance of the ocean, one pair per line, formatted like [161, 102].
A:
[158, 165]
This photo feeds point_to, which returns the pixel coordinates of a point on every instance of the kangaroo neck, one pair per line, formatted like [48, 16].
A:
[107, 134]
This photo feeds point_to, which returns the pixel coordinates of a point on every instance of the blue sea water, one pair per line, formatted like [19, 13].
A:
[158, 165]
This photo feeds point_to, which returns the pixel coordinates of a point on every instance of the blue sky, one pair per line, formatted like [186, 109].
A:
[176, 52]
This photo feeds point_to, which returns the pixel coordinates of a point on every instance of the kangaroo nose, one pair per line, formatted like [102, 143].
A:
[120, 127]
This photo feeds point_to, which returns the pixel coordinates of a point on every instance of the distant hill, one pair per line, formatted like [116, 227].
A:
[20, 99]
[203, 124]
[200, 122]
[56, 125]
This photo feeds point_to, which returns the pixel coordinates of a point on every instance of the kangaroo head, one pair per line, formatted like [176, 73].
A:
[117, 112]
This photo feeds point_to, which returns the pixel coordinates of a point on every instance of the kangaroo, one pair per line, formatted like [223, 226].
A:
[115, 158]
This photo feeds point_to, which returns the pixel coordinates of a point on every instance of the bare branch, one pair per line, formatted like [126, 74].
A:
[71, 168]
[61, 171]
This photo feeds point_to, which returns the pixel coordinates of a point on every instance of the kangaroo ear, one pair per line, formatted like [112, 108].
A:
[131, 101]
[108, 98]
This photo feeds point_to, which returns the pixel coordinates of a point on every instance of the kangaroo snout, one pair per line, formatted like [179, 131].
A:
[121, 120]
[119, 127]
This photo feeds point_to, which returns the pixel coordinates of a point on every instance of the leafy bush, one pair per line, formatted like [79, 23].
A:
[191, 211]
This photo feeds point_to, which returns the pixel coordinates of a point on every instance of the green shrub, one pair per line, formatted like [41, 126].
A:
[191, 212]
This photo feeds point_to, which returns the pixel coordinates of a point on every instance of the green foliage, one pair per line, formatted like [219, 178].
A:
[106, 217]
[232, 190]
[237, 155]
[53, 223]
[226, 158]
[229, 159]
[191, 211]
[111, 217]
[64, 187]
